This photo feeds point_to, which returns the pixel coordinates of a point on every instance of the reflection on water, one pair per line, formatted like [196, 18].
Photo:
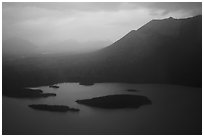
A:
[174, 110]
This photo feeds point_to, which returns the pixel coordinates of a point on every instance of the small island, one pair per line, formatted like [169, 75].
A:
[116, 101]
[86, 83]
[26, 93]
[56, 108]
[53, 86]
[132, 90]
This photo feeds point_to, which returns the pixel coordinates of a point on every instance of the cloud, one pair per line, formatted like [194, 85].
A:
[48, 23]
[193, 8]
[72, 7]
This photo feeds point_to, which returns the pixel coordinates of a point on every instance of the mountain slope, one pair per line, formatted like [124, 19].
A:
[162, 51]
[18, 48]
[168, 50]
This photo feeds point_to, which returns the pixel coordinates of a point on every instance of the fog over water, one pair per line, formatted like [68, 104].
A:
[81, 27]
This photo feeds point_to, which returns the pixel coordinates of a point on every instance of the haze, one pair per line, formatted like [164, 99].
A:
[81, 27]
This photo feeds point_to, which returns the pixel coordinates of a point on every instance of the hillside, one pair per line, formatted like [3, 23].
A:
[168, 50]
[162, 51]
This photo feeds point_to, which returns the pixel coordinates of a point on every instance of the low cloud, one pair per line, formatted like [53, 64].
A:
[46, 23]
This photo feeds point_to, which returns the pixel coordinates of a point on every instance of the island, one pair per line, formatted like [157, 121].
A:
[132, 90]
[116, 101]
[86, 83]
[53, 86]
[56, 108]
[26, 93]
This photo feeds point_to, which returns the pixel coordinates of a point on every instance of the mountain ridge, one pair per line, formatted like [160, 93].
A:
[161, 41]
[145, 55]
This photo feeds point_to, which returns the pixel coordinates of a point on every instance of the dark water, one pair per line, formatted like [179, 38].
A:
[174, 110]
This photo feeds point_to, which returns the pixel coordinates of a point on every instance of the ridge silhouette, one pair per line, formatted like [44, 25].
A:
[162, 51]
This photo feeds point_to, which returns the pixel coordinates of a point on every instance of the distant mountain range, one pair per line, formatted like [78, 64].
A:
[162, 51]
[17, 48]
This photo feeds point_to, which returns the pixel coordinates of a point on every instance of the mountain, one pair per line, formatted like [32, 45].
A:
[17, 48]
[162, 51]
[73, 47]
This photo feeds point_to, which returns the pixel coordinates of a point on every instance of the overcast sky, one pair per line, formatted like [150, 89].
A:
[49, 23]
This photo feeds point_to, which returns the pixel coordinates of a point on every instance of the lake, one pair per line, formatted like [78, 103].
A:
[174, 110]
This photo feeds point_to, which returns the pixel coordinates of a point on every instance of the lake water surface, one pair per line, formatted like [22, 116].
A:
[174, 110]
